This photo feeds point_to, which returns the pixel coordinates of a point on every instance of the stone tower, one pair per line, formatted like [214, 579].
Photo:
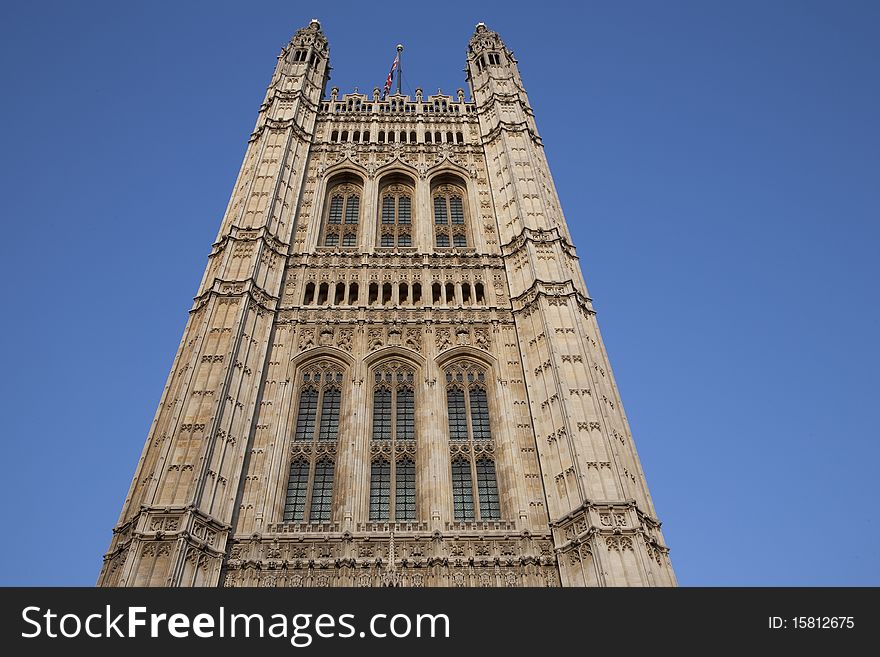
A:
[392, 372]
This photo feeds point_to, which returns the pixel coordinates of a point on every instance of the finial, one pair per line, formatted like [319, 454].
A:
[399, 47]
[481, 25]
[391, 577]
[315, 21]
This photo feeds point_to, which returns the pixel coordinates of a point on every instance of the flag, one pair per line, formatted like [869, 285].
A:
[390, 76]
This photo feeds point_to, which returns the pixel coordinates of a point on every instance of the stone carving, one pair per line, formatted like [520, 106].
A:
[375, 339]
[619, 543]
[344, 339]
[413, 339]
[306, 339]
[443, 339]
[481, 338]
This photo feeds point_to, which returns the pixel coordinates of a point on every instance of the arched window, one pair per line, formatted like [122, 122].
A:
[316, 430]
[393, 469]
[450, 229]
[342, 214]
[474, 484]
[395, 216]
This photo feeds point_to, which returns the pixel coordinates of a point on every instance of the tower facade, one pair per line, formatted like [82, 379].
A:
[392, 372]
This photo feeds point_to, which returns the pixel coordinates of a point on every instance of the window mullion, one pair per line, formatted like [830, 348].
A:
[307, 512]
[392, 486]
[468, 418]
[393, 419]
[318, 412]
[396, 220]
[474, 488]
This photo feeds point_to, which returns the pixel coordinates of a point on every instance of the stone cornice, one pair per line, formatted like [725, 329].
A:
[404, 562]
[288, 96]
[502, 97]
[553, 290]
[413, 261]
[348, 149]
[373, 316]
[239, 234]
[169, 523]
[489, 79]
[605, 519]
[588, 505]
[281, 124]
[542, 236]
[508, 126]
[238, 288]
[287, 545]
[396, 118]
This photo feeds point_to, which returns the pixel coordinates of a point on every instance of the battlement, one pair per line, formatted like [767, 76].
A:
[397, 104]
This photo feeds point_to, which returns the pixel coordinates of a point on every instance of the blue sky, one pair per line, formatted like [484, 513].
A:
[718, 164]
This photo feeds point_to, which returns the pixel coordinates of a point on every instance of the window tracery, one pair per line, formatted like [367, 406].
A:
[310, 481]
[342, 216]
[396, 216]
[393, 444]
[450, 227]
[474, 482]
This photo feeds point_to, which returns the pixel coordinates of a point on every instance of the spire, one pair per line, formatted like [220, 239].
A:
[310, 36]
[484, 39]
[391, 577]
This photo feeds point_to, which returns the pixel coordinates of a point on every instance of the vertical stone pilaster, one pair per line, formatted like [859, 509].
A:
[198, 444]
[580, 431]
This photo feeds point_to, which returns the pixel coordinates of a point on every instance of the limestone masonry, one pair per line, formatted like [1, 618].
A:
[392, 373]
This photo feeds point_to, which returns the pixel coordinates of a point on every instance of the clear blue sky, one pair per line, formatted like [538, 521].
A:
[718, 163]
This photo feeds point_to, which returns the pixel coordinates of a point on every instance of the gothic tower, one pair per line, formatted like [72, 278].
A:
[392, 373]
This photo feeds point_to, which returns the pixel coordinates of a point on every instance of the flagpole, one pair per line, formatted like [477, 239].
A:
[399, 66]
